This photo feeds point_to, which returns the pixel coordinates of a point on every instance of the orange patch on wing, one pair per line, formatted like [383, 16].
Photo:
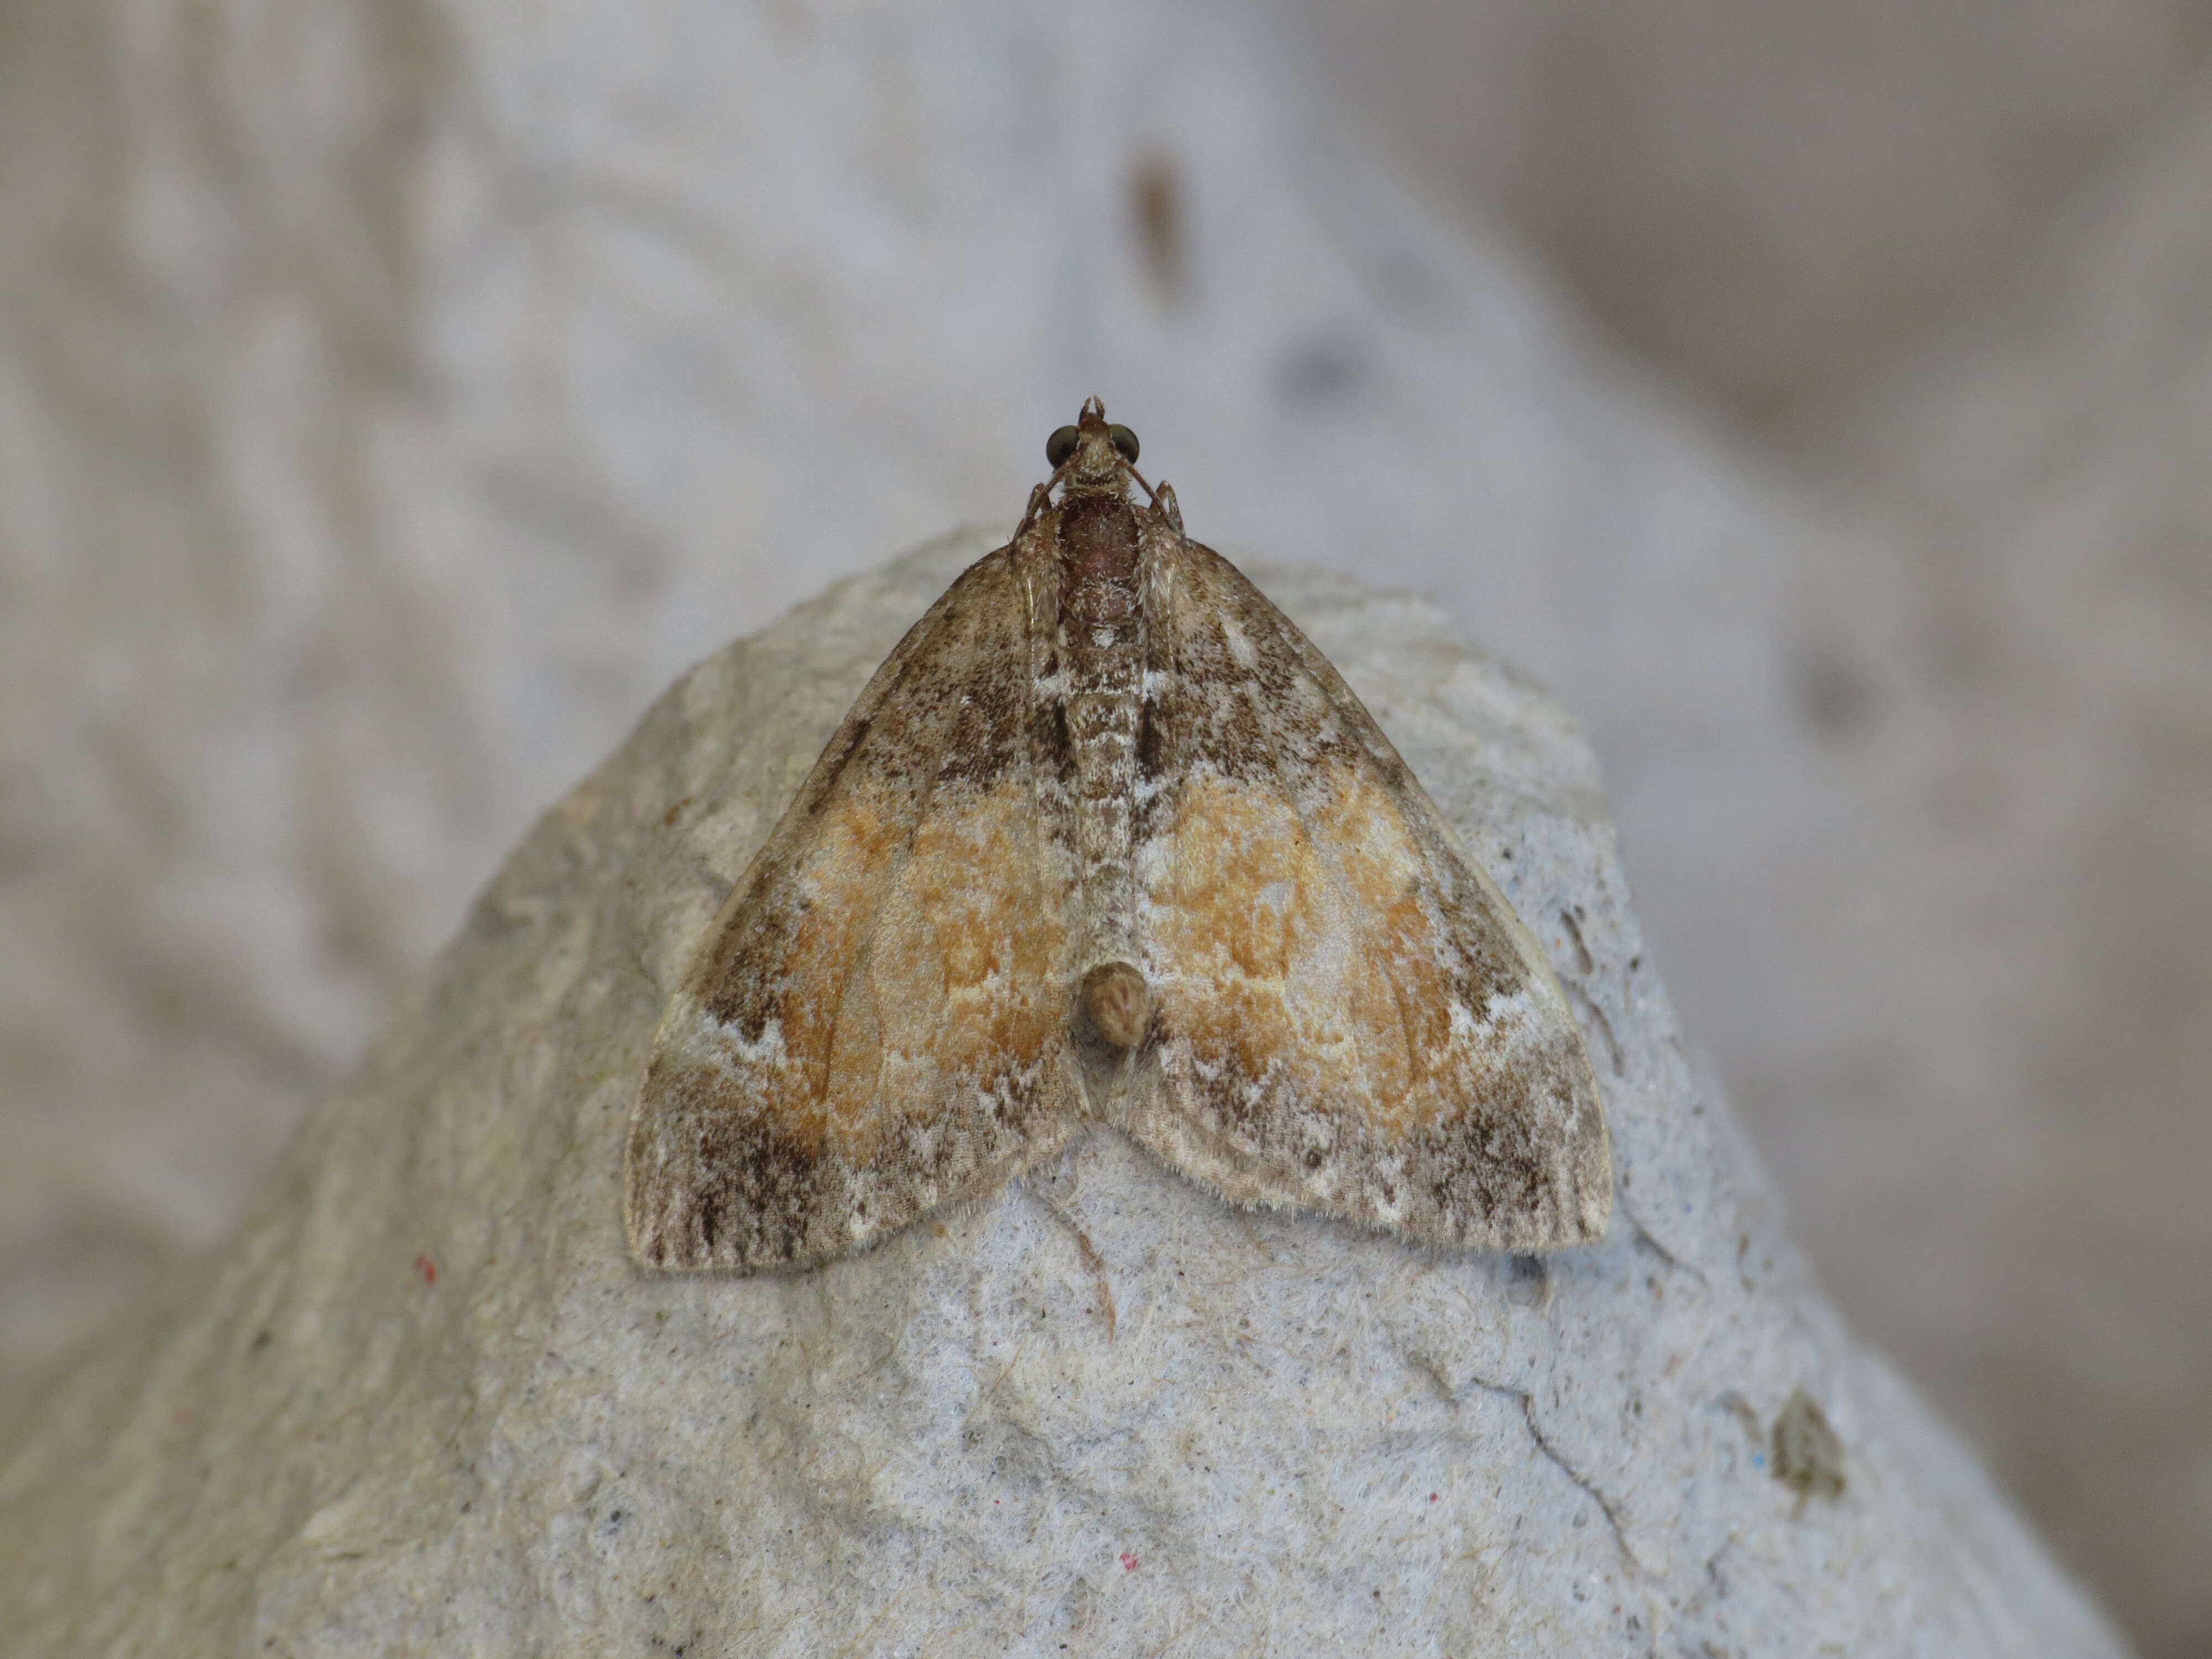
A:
[1295, 946]
[1367, 839]
[1223, 921]
[855, 839]
[960, 987]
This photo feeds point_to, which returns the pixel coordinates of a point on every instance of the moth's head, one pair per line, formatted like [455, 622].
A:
[1091, 458]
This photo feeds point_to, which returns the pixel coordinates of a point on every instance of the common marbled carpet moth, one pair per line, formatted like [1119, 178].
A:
[1106, 840]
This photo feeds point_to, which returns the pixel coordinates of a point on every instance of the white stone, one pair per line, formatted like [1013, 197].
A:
[424, 1403]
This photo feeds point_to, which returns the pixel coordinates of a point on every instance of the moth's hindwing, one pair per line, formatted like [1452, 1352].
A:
[1350, 1015]
[877, 1023]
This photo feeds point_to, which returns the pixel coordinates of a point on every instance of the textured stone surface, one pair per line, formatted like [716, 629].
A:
[422, 1402]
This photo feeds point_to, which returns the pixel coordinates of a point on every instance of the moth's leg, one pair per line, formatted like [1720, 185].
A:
[1163, 503]
[1039, 498]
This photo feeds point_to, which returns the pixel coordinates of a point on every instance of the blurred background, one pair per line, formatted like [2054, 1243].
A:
[395, 394]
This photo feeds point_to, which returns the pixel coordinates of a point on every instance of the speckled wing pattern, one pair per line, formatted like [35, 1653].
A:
[877, 1024]
[1350, 1018]
[1106, 840]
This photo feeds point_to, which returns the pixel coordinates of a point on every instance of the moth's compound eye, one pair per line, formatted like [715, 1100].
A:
[1125, 441]
[1059, 446]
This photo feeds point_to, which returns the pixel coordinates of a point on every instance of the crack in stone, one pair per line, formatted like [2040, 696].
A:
[1092, 1259]
[1616, 1062]
[1606, 1507]
[1649, 1239]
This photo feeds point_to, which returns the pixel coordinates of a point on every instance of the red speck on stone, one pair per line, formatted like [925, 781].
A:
[427, 1268]
[1432, 1497]
[1129, 1562]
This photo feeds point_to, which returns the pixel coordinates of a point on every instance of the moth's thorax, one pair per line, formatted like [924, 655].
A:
[1097, 536]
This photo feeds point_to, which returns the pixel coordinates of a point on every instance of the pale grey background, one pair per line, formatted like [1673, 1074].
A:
[392, 398]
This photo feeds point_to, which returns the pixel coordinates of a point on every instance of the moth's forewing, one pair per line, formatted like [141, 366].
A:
[1350, 1015]
[876, 1023]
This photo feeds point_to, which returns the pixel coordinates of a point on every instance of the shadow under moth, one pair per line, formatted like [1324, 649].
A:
[1107, 840]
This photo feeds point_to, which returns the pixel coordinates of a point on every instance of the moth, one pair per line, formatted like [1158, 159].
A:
[1107, 840]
